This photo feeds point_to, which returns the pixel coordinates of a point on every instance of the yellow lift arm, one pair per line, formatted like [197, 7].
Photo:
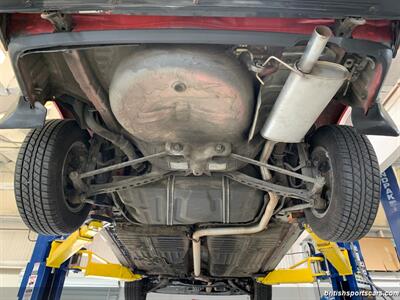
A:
[339, 258]
[62, 250]
[103, 268]
[294, 274]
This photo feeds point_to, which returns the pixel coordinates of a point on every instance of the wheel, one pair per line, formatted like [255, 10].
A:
[262, 292]
[46, 199]
[349, 165]
[136, 290]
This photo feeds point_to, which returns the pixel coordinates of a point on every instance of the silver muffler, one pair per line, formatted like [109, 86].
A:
[306, 92]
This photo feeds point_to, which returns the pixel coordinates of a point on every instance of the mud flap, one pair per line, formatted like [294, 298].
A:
[23, 115]
[375, 122]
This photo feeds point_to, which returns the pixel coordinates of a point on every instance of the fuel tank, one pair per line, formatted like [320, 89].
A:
[183, 94]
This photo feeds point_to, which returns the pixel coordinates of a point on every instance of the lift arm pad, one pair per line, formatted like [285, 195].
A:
[62, 250]
[331, 251]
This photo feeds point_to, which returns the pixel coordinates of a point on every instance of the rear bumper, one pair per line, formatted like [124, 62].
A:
[383, 9]
[23, 115]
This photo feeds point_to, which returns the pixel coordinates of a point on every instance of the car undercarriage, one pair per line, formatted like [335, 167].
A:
[208, 150]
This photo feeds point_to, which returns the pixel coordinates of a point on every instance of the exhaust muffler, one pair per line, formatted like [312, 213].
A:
[306, 92]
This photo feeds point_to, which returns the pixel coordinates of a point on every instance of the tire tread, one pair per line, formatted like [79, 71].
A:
[34, 194]
[359, 182]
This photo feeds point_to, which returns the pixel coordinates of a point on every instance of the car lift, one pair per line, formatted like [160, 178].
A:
[342, 263]
[53, 256]
[337, 257]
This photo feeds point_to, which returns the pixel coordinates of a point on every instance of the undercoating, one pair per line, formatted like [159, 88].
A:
[181, 200]
[166, 250]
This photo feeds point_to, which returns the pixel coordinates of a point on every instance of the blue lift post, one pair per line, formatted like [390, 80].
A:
[40, 282]
[390, 199]
[349, 283]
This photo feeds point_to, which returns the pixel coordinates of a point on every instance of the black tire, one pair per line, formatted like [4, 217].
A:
[136, 290]
[348, 162]
[262, 292]
[40, 184]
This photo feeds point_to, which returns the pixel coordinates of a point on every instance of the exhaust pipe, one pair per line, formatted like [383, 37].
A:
[262, 225]
[314, 49]
[306, 93]
[265, 155]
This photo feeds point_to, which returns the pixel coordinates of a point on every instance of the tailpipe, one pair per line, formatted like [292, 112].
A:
[314, 49]
[306, 92]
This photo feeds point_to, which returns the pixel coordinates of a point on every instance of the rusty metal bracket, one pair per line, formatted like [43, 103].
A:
[345, 27]
[61, 22]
